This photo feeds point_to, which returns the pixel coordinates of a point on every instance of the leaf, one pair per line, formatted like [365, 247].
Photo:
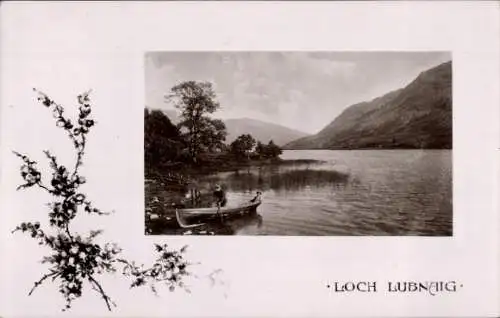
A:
[75, 258]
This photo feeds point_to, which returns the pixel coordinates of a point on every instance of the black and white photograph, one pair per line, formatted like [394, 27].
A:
[298, 143]
[249, 159]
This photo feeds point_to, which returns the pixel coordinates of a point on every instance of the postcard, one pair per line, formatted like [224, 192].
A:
[249, 159]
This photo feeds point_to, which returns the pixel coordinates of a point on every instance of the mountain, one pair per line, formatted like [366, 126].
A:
[172, 115]
[416, 116]
[260, 130]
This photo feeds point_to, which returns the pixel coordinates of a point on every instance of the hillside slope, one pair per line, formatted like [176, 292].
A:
[417, 116]
[260, 130]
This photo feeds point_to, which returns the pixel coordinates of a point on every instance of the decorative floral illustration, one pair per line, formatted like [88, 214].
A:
[77, 259]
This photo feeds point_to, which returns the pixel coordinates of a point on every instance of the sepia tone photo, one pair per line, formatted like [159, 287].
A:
[298, 143]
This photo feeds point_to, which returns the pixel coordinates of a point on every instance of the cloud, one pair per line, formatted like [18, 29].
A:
[287, 87]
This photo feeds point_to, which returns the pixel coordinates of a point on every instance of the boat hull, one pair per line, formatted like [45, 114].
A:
[183, 215]
[216, 211]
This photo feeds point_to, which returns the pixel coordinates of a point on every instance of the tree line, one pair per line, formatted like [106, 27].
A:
[197, 138]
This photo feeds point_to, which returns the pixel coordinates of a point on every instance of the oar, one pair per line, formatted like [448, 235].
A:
[218, 211]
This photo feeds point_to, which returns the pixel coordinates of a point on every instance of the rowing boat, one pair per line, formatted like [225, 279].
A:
[183, 214]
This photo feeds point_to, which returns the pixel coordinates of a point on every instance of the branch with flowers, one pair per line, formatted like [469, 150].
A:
[77, 259]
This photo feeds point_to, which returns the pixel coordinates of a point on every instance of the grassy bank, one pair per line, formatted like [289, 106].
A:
[220, 163]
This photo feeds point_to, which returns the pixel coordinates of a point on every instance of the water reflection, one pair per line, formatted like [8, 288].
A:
[274, 178]
[231, 225]
[350, 193]
[240, 185]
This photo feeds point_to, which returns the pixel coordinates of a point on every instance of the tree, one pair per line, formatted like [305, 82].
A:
[196, 100]
[162, 140]
[243, 145]
[212, 135]
[269, 151]
[272, 150]
[260, 150]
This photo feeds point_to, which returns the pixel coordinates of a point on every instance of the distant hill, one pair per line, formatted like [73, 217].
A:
[417, 116]
[260, 130]
[172, 115]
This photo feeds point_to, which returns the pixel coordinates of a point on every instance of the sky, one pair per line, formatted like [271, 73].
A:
[299, 90]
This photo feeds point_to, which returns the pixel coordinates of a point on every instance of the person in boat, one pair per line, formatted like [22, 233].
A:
[220, 196]
[257, 197]
[191, 199]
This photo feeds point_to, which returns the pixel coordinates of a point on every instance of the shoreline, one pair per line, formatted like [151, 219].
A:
[207, 168]
[352, 149]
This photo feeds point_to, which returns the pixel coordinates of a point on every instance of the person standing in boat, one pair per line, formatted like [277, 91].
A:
[257, 197]
[220, 196]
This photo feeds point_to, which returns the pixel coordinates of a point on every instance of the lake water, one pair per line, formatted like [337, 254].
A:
[387, 192]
